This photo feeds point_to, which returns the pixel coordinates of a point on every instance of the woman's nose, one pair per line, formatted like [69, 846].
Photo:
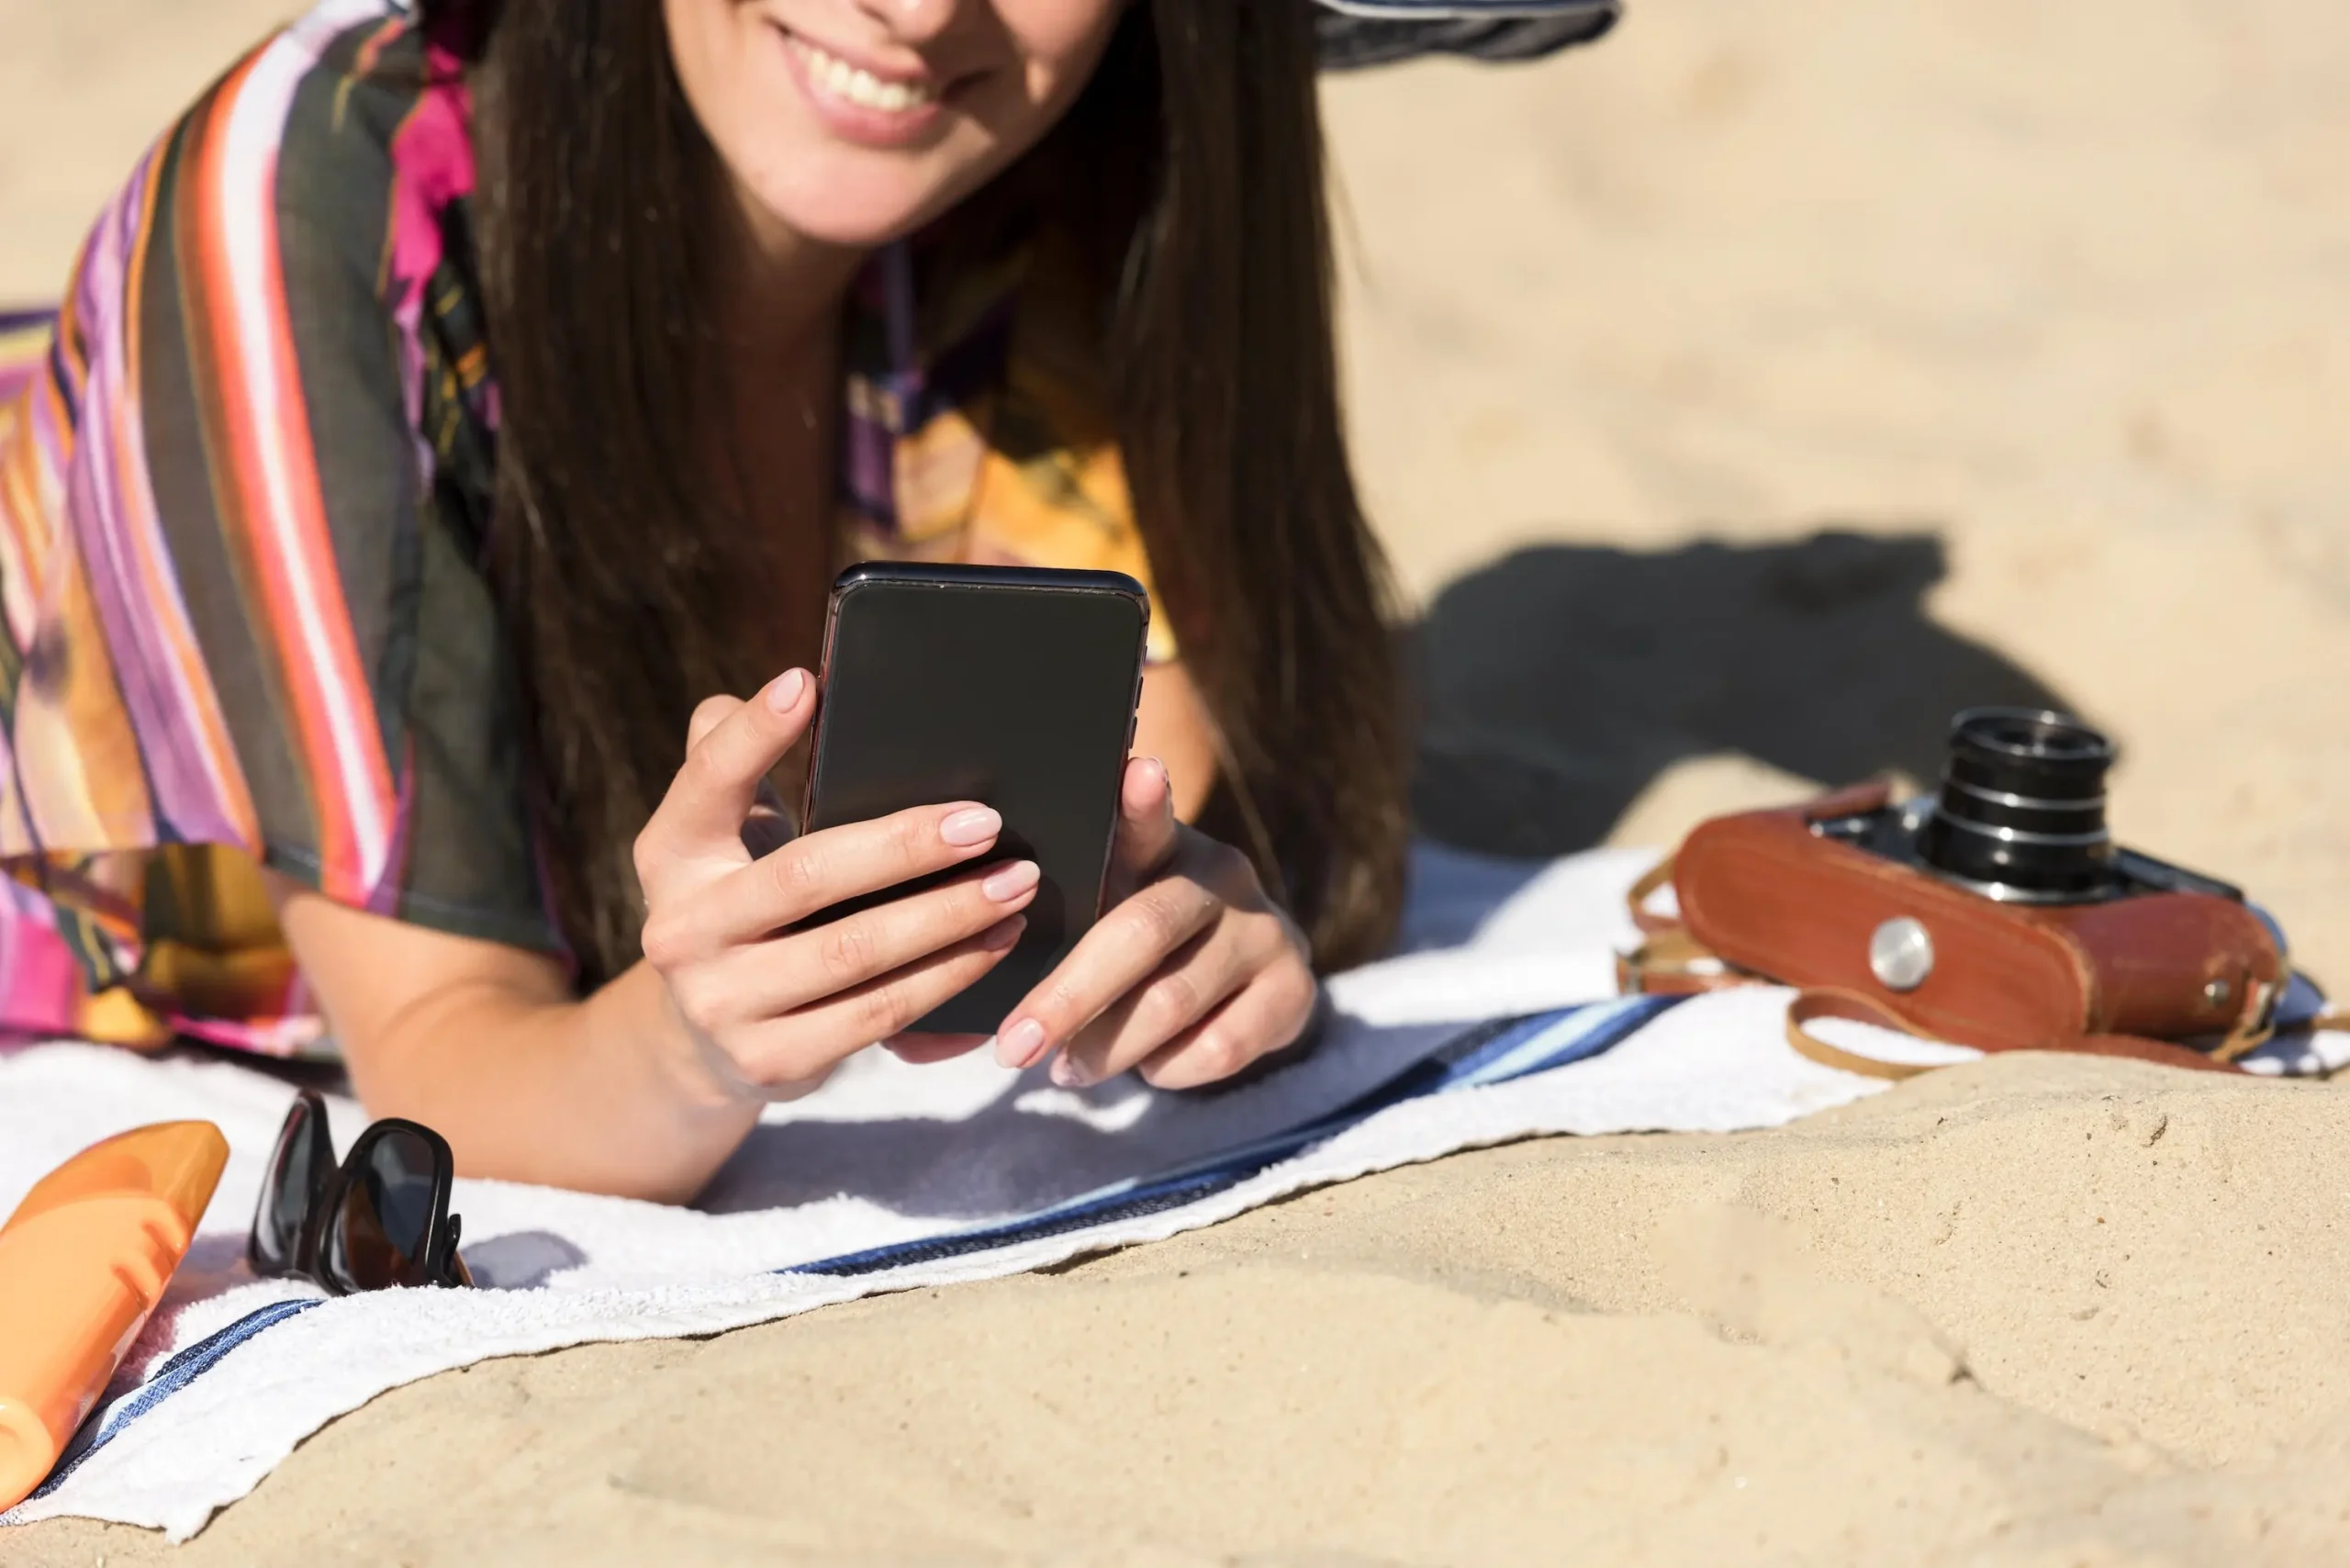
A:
[913, 21]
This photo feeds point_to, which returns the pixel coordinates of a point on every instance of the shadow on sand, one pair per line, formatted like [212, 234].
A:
[1557, 682]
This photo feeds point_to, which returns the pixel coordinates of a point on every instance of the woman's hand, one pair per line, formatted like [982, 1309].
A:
[770, 1010]
[1192, 974]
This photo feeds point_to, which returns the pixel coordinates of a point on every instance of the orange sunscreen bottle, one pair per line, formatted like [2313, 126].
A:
[82, 1261]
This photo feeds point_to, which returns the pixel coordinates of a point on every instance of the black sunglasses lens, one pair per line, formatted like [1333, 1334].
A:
[298, 1168]
[383, 1224]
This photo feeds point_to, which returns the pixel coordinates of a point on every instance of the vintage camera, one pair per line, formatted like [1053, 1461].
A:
[1997, 911]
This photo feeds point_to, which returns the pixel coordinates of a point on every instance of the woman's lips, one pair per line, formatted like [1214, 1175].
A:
[860, 104]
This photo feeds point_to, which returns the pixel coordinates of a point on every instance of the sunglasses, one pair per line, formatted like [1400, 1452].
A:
[378, 1220]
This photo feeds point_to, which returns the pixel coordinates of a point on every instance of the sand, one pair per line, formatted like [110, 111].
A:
[1736, 399]
[2046, 1311]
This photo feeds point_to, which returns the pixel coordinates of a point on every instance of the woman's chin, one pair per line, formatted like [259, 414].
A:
[860, 197]
[860, 213]
[858, 233]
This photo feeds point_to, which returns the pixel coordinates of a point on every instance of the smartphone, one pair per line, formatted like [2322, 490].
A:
[1016, 687]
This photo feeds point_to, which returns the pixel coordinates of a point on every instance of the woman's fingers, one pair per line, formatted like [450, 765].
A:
[718, 785]
[1265, 1016]
[746, 985]
[707, 714]
[800, 1048]
[810, 874]
[1147, 832]
[1122, 950]
[1192, 982]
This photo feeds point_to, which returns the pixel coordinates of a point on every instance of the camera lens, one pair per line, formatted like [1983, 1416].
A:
[2021, 811]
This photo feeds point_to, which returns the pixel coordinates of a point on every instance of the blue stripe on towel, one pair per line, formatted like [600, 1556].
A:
[175, 1373]
[1491, 1053]
[1496, 1052]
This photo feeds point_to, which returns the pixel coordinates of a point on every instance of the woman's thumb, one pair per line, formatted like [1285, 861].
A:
[1146, 819]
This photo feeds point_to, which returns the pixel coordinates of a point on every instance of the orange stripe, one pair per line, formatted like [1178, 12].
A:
[370, 55]
[158, 585]
[314, 543]
[248, 491]
[21, 513]
[306, 686]
[40, 540]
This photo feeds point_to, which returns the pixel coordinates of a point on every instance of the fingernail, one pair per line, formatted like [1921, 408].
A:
[1004, 934]
[975, 824]
[1021, 1045]
[1011, 881]
[1069, 1073]
[1151, 765]
[784, 691]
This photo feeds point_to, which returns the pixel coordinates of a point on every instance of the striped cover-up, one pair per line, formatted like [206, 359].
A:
[245, 480]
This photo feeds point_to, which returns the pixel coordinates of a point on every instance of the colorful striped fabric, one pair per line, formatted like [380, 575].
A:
[245, 481]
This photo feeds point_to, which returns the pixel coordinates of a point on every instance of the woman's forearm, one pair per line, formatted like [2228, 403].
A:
[601, 1094]
[488, 1047]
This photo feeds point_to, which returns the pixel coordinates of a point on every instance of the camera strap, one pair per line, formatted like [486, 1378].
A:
[1809, 1006]
[1669, 961]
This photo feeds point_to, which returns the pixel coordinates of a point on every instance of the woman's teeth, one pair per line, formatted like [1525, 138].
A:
[860, 86]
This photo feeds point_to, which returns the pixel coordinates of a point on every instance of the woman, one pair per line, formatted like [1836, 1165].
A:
[455, 403]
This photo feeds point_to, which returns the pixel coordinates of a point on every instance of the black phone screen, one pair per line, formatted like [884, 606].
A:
[1013, 687]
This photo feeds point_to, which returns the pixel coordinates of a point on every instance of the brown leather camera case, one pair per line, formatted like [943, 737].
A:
[1766, 893]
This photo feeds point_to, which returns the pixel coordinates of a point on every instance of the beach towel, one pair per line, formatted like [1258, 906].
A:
[1496, 1022]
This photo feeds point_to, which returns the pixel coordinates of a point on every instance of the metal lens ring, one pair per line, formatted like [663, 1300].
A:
[2022, 804]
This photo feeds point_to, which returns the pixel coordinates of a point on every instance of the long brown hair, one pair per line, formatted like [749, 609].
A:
[1192, 172]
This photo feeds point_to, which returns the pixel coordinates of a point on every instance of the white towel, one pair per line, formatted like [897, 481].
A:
[896, 1177]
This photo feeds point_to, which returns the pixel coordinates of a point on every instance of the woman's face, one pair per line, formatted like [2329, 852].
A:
[855, 122]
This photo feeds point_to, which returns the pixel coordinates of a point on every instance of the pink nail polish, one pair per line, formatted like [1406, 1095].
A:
[1004, 934]
[1150, 766]
[784, 690]
[1020, 1044]
[1011, 881]
[1069, 1073]
[973, 824]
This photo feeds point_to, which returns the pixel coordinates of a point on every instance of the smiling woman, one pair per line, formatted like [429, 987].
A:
[459, 403]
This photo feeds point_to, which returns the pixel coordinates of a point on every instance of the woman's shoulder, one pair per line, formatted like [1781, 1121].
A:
[344, 73]
[302, 224]
[317, 125]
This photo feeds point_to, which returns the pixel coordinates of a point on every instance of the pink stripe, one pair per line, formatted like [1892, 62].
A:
[290, 1036]
[174, 711]
[385, 897]
[15, 375]
[40, 985]
[432, 166]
